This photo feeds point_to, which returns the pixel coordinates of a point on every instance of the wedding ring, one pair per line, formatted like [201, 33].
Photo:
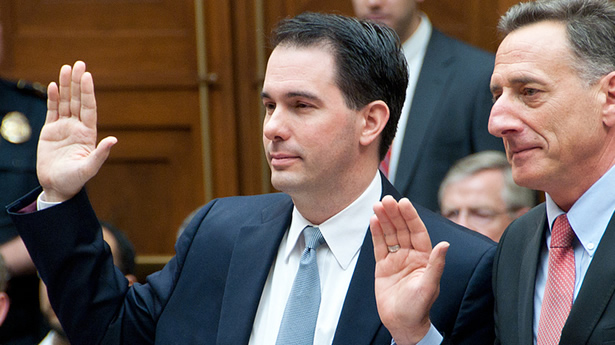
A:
[393, 249]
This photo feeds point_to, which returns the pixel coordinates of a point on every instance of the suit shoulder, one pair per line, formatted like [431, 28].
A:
[439, 36]
[527, 223]
[239, 209]
[24, 88]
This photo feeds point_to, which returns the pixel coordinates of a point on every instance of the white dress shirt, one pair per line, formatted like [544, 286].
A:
[344, 234]
[414, 50]
[588, 217]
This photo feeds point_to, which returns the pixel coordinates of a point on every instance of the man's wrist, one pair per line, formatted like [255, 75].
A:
[42, 203]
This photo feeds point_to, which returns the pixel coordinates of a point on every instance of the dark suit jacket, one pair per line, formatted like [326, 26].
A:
[17, 177]
[592, 318]
[210, 291]
[448, 118]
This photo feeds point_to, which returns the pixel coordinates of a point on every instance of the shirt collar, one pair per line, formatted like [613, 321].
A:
[344, 232]
[590, 215]
[417, 43]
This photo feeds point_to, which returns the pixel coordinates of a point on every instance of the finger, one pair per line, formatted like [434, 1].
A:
[88, 101]
[380, 245]
[435, 267]
[383, 211]
[64, 91]
[419, 236]
[75, 88]
[394, 211]
[52, 102]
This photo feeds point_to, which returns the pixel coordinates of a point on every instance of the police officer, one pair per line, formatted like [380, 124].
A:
[22, 114]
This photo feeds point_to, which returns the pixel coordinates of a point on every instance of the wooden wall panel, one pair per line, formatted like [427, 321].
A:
[130, 43]
[142, 55]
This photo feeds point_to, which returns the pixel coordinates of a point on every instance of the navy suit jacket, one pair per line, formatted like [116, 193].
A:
[592, 318]
[210, 291]
[448, 118]
[17, 177]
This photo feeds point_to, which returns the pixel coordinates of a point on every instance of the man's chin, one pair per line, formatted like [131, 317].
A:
[283, 181]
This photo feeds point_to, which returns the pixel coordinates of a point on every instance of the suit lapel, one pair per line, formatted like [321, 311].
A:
[430, 86]
[595, 294]
[359, 320]
[255, 250]
[527, 279]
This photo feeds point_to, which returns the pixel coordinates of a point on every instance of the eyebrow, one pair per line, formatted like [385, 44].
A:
[294, 94]
[515, 81]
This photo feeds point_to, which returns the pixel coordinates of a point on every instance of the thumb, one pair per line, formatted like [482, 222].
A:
[435, 266]
[101, 153]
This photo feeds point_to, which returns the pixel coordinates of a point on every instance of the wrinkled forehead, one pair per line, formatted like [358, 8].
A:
[531, 52]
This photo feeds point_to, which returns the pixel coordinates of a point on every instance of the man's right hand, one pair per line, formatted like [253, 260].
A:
[67, 153]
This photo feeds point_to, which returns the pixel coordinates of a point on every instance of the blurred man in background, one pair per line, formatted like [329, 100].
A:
[447, 105]
[480, 193]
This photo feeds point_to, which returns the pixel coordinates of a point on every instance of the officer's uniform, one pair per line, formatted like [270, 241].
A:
[22, 114]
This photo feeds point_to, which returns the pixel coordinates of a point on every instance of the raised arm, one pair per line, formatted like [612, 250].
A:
[408, 271]
[67, 153]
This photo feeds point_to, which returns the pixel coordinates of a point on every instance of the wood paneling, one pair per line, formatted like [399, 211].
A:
[142, 55]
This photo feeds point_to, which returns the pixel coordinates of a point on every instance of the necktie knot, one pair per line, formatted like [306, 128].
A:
[313, 237]
[561, 234]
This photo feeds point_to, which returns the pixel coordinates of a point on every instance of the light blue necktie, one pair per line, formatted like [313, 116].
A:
[299, 320]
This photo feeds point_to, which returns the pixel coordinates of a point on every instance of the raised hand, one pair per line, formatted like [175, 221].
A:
[408, 271]
[67, 153]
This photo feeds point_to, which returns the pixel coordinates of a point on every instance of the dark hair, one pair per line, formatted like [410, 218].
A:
[370, 63]
[125, 248]
[590, 25]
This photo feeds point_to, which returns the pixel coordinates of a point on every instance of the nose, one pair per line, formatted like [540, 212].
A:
[503, 120]
[463, 219]
[275, 126]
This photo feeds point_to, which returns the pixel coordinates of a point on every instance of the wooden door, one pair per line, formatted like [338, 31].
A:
[143, 56]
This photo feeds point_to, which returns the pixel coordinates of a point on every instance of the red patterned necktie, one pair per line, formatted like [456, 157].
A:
[384, 165]
[559, 290]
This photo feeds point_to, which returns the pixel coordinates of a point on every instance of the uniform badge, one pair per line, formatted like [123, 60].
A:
[16, 128]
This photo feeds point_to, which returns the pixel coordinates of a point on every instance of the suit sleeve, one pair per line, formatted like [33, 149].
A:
[475, 323]
[89, 294]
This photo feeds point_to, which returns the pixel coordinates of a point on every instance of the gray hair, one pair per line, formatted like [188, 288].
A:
[515, 197]
[590, 25]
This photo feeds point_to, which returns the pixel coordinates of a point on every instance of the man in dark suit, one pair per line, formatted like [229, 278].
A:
[333, 92]
[554, 86]
[447, 101]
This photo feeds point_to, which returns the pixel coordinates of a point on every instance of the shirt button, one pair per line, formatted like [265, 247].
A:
[590, 246]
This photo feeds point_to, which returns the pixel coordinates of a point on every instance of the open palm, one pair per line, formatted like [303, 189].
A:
[407, 280]
[67, 153]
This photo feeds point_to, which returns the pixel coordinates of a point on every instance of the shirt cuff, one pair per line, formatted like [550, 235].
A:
[42, 204]
[432, 337]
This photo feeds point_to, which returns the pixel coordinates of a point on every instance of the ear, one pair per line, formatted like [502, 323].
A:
[4, 306]
[375, 117]
[608, 108]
